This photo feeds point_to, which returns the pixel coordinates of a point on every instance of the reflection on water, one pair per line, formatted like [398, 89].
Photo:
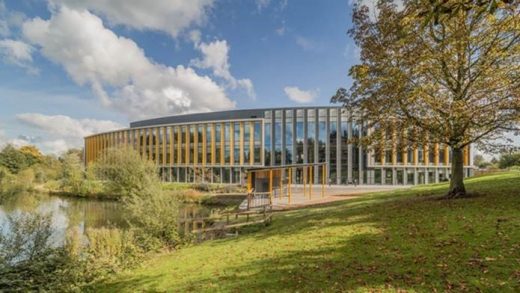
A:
[68, 212]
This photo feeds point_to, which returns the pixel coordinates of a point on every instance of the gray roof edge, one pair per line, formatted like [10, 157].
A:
[220, 115]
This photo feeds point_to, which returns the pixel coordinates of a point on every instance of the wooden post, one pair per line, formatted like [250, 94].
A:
[304, 171]
[311, 177]
[281, 182]
[249, 181]
[323, 178]
[271, 184]
[289, 185]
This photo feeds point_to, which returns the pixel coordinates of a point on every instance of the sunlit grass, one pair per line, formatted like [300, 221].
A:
[405, 239]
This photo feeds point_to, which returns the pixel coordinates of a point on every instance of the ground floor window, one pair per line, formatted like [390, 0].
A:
[388, 176]
[431, 176]
[400, 177]
[377, 176]
[410, 174]
[421, 177]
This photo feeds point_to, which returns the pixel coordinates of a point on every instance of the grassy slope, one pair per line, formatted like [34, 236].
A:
[385, 241]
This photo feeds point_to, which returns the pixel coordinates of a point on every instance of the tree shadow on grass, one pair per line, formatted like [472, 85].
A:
[127, 285]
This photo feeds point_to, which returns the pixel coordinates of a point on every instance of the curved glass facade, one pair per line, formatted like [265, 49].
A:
[218, 147]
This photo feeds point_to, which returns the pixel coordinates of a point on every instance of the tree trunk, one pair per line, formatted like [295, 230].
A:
[457, 188]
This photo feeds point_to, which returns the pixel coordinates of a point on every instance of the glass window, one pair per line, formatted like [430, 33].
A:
[344, 125]
[183, 145]
[400, 177]
[208, 143]
[410, 174]
[200, 130]
[258, 142]
[218, 141]
[278, 140]
[300, 136]
[311, 136]
[247, 144]
[322, 112]
[175, 143]
[431, 153]
[322, 138]
[388, 176]
[388, 156]
[377, 176]
[267, 144]
[192, 144]
[227, 143]
[236, 144]
[333, 137]
[421, 155]
[288, 141]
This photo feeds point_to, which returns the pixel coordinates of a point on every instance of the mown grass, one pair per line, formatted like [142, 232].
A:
[401, 240]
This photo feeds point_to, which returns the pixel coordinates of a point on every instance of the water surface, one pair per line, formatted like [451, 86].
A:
[70, 212]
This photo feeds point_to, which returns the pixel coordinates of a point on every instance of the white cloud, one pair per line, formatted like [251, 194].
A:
[18, 53]
[4, 28]
[65, 126]
[195, 36]
[261, 4]
[305, 43]
[58, 146]
[215, 56]
[300, 96]
[9, 20]
[281, 30]
[62, 132]
[118, 71]
[170, 16]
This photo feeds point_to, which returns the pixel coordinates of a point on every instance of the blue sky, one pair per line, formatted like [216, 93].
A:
[69, 68]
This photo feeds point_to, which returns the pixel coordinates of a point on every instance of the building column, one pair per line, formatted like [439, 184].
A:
[349, 148]
[316, 143]
[273, 119]
[327, 146]
[360, 155]
[284, 143]
[338, 147]
[305, 145]
[293, 174]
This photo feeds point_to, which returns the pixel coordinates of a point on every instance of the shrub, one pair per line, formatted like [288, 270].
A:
[155, 219]
[28, 260]
[72, 174]
[127, 173]
[11, 184]
[509, 160]
[202, 187]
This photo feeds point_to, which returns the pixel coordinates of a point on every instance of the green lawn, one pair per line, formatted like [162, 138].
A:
[402, 240]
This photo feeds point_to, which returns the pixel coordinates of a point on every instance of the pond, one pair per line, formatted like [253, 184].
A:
[71, 212]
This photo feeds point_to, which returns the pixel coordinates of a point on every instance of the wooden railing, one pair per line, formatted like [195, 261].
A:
[254, 210]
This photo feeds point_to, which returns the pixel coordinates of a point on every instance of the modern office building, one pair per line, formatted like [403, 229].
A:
[218, 147]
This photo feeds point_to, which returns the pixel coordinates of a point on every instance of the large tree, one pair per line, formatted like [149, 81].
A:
[453, 81]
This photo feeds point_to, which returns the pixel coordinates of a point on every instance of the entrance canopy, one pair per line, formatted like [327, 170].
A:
[278, 181]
